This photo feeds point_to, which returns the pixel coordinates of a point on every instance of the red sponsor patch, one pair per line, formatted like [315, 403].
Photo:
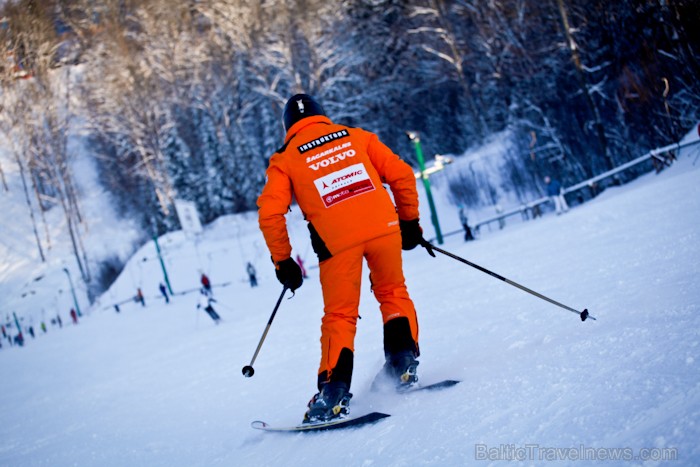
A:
[344, 184]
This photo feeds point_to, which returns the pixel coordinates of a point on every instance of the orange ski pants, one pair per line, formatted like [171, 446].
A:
[341, 277]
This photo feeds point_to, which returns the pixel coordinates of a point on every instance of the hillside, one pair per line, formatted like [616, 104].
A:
[162, 385]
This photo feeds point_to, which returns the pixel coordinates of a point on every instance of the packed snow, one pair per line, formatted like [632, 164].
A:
[161, 384]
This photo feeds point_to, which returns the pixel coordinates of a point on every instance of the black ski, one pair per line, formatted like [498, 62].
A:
[349, 422]
[323, 426]
[448, 383]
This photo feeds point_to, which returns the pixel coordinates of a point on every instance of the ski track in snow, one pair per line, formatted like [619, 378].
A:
[162, 385]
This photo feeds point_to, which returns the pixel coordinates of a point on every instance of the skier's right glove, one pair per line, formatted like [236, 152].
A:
[289, 274]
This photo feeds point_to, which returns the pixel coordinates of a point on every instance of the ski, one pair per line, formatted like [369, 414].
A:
[323, 426]
[349, 422]
[448, 383]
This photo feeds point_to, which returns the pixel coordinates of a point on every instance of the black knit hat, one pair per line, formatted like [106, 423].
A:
[300, 106]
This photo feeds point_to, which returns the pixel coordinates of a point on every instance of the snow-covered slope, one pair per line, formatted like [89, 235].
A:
[36, 290]
[162, 385]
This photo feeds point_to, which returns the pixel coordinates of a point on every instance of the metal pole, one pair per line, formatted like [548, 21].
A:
[582, 314]
[72, 289]
[162, 265]
[248, 370]
[415, 139]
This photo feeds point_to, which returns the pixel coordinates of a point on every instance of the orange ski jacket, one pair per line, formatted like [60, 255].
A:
[336, 174]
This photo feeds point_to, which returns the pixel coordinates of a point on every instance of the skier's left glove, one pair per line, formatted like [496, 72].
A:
[412, 236]
[289, 274]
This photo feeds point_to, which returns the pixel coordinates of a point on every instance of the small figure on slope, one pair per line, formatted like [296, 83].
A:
[206, 283]
[205, 301]
[139, 297]
[555, 195]
[164, 292]
[300, 262]
[468, 235]
[250, 269]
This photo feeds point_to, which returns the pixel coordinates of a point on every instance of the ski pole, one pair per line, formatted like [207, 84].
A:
[248, 370]
[583, 314]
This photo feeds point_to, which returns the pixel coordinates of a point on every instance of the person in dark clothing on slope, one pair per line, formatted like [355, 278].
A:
[554, 192]
[205, 302]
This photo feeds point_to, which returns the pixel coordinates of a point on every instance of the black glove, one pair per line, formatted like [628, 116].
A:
[289, 274]
[412, 236]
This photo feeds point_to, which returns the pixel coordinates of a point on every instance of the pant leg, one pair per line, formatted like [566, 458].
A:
[385, 263]
[564, 205]
[341, 277]
[557, 206]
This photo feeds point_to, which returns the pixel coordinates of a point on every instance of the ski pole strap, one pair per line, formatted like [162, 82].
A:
[582, 314]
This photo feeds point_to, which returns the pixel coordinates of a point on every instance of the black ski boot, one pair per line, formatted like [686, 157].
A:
[399, 372]
[331, 403]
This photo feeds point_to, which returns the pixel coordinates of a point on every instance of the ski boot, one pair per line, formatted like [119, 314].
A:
[399, 372]
[330, 404]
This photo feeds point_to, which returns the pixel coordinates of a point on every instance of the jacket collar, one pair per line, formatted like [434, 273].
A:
[303, 123]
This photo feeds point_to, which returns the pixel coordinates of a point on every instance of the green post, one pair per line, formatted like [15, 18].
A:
[415, 139]
[162, 265]
[72, 291]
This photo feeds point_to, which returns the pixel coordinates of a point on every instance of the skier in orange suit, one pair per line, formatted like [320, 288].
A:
[336, 174]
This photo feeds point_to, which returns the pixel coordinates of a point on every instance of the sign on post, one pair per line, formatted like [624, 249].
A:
[189, 217]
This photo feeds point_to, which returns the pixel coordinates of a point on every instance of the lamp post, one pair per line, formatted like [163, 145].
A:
[415, 139]
[75, 299]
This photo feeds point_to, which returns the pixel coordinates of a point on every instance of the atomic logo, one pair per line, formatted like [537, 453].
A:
[344, 184]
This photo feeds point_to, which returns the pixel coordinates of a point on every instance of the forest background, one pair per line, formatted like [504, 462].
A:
[183, 100]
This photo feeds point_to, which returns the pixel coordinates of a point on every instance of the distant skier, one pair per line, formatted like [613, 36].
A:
[465, 224]
[73, 315]
[554, 191]
[300, 262]
[501, 220]
[164, 292]
[251, 275]
[536, 211]
[205, 301]
[206, 283]
[139, 297]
